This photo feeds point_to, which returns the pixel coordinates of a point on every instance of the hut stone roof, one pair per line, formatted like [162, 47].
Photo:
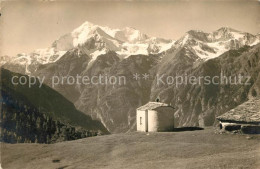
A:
[248, 112]
[153, 105]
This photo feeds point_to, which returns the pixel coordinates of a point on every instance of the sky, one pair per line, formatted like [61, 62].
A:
[28, 25]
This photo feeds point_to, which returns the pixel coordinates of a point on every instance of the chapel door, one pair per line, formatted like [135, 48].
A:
[146, 121]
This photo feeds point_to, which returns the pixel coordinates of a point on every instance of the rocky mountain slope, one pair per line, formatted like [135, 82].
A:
[114, 104]
[195, 104]
[40, 115]
[200, 103]
[93, 50]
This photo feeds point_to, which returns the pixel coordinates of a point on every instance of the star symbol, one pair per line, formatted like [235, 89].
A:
[136, 76]
[145, 76]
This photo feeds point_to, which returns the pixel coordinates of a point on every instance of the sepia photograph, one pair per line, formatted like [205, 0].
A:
[130, 84]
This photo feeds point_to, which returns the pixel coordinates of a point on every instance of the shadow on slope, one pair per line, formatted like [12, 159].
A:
[41, 115]
[187, 129]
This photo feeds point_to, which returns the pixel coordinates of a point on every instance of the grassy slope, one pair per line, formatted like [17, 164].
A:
[190, 149]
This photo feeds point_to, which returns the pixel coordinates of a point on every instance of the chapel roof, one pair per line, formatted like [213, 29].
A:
[153, 105]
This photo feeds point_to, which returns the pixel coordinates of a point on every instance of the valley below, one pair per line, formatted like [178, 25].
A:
[130, 85]
[187, 149]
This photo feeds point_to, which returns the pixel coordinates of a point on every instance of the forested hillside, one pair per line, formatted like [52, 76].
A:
[41, 115]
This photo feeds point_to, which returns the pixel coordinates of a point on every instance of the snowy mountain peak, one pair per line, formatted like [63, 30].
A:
[88, 30]
[226, 29]
[131, 35]
[226, 33]
[95, 39]
[211, 45]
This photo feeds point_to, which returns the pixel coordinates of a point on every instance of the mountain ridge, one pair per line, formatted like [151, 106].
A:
[95, 40]
[196, 53]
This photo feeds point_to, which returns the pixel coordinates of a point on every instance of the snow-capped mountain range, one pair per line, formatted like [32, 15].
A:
[95, 40]
[211, 45]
